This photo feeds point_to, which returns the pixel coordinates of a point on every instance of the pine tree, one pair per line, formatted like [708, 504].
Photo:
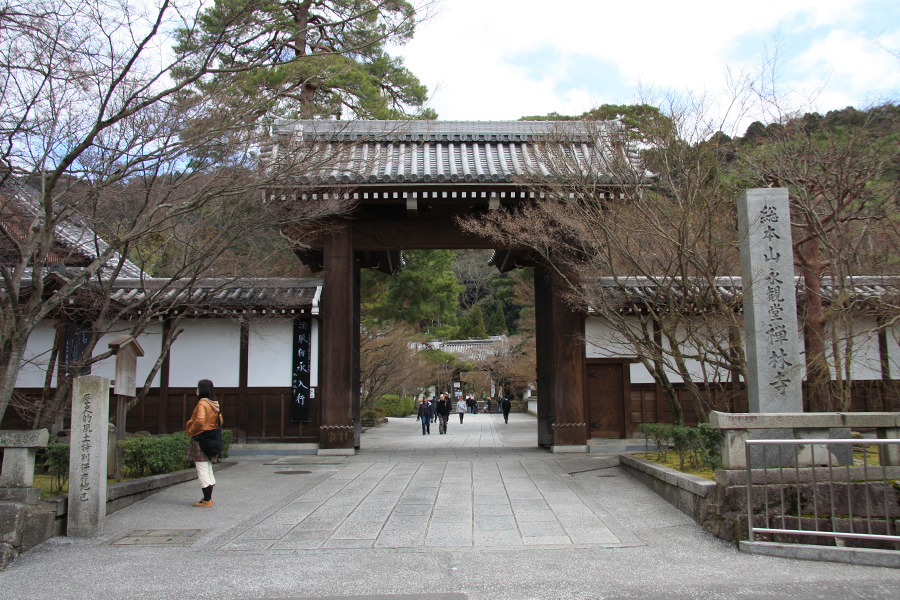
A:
[498, 320]
[476, 324]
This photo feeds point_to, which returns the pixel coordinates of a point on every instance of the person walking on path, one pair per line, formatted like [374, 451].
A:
[425, 414]
[506, 406]
[461, 409]
[205, 445]
[443, 413]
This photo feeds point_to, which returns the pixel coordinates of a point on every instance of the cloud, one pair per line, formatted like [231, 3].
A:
[501, 59]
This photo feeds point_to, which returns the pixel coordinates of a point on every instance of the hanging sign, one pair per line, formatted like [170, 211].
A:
[300, 380]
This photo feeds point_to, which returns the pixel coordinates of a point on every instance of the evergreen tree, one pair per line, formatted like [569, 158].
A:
[424, 294]
[498, 320]
[328, 58]
[476, 324]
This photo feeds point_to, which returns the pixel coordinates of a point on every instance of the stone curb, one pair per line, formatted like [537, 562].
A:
[125, 493]
[699, 486]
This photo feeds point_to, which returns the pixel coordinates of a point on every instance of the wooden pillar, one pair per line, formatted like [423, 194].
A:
[163, 413]
[562, 337]
[339, 339]
[355, 365]
[243, 399]
[543, 335]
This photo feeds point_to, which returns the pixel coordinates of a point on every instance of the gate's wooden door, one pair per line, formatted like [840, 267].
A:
[605, 397]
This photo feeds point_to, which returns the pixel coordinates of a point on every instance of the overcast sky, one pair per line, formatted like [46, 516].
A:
[503, 59]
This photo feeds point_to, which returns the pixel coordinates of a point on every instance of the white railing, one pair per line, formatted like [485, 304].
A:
[816, 488]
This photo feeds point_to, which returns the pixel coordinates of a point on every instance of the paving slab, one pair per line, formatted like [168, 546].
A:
[492, 516]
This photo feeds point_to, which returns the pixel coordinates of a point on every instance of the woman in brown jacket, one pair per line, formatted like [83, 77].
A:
[205, 417]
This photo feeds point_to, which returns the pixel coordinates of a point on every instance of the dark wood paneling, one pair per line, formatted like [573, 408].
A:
[606, 405]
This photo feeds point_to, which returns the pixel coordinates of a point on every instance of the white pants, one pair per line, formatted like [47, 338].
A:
[205, 473]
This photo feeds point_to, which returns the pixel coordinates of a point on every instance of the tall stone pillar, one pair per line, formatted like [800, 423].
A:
[88, 456]
[340, 343]
[562, 366]
[774, 369]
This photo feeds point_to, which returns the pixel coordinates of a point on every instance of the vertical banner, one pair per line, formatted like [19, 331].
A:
[78, 335]
[301, 392]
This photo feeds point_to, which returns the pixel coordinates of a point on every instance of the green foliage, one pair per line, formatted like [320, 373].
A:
[395, 405]
[321, 58]
[476, 324]
[699, 446]
[424, 294]
[639, 119]
[497, 324]
[145, 456]
[661, 434]
[155, 455]
[369, 416]
[54, 459]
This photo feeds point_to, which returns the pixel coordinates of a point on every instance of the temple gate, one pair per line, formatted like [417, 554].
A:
[409, 183]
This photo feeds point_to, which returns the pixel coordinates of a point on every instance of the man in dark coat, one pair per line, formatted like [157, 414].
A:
[425, 413]
[506, 406]
[443, 413]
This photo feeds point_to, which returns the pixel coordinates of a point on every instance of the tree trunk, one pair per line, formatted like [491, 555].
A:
[818, 376]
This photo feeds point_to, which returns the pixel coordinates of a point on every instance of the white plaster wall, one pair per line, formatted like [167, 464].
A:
[893, 344]
[314, 362]
[206, 349]
[36, 357]
[601, 341]
[150, 341]
[865, 358]
[271, 353]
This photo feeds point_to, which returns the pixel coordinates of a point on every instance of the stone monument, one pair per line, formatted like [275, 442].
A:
[774, 368]
[87, 456]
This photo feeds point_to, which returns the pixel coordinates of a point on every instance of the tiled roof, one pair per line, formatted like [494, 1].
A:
[449, 151]
[71, 235]
[270, 294]
[639, 290]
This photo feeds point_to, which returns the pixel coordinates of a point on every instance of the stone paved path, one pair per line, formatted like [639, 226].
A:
[477, 486]
[478, 514]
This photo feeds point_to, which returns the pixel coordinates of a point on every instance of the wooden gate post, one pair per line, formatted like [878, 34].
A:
[562, 363]
[339, 340]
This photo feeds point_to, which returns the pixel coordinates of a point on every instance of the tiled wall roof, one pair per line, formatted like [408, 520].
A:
[451, 151]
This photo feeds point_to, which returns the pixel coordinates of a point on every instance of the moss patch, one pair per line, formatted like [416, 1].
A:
[671, 461]
[48, 488]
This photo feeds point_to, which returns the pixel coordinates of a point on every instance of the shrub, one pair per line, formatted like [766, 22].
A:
[396, 406]
[684, 441]
[661, 434]
[369, 416]
[154, 455]
[710, 446]
[145, 456]
[54, 459]
[379, 411]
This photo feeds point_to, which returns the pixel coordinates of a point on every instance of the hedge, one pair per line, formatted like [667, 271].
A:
[699, 446]
[395, 405]
[142, 456]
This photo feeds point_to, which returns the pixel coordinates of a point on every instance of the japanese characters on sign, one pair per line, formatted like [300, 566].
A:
[84, 481]
[300, 378]
[774, 368]
[776, 332]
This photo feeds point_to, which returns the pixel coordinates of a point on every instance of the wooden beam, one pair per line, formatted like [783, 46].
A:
[415, 235]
